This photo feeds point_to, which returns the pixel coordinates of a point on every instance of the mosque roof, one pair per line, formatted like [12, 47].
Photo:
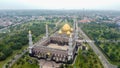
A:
[66, 29]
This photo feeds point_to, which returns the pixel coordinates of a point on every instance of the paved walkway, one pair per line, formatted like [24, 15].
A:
[48, 64]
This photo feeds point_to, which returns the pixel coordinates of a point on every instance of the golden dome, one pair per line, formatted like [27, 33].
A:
[66, 28]
[60, 32]
[68, 32]
[71, 29]
[48, 53]
[29, 32]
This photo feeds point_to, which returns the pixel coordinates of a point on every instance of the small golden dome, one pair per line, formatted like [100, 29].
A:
[29, 32]
[71, 29]
[68, 32]
[66, 28]
[60, 32]
[48, 53]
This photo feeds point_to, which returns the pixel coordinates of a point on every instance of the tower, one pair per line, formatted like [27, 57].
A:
[56, 25]
[76, 30]
[70, 49]
[46, 31]
[74, 25]
[30, 42]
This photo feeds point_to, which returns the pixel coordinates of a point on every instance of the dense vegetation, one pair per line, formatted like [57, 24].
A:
[106, 37]
[26, 62]
[12, 42]
[15, 39]
[18, 39]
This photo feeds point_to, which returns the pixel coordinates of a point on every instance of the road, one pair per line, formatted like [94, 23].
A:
[13, 25]
[102, 58]
[17, 57]
[12, 61]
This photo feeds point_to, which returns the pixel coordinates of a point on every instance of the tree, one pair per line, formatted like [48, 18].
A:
[118, 66]
[106, 49]
[2, 46]
[7, 52]
[2, 56]
[112, 56]
[61, 66]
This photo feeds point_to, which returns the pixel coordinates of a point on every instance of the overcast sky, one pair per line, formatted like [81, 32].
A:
[60, 4]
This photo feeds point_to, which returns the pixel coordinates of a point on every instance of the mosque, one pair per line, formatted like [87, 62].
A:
[61, 46]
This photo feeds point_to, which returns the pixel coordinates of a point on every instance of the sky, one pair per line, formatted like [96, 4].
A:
[61, 4]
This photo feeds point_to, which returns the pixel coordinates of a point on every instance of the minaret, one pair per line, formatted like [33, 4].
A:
[70, 49]
[76, 31]
[56, 25]
[30, 42]
[74, 25]
[46, 31]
